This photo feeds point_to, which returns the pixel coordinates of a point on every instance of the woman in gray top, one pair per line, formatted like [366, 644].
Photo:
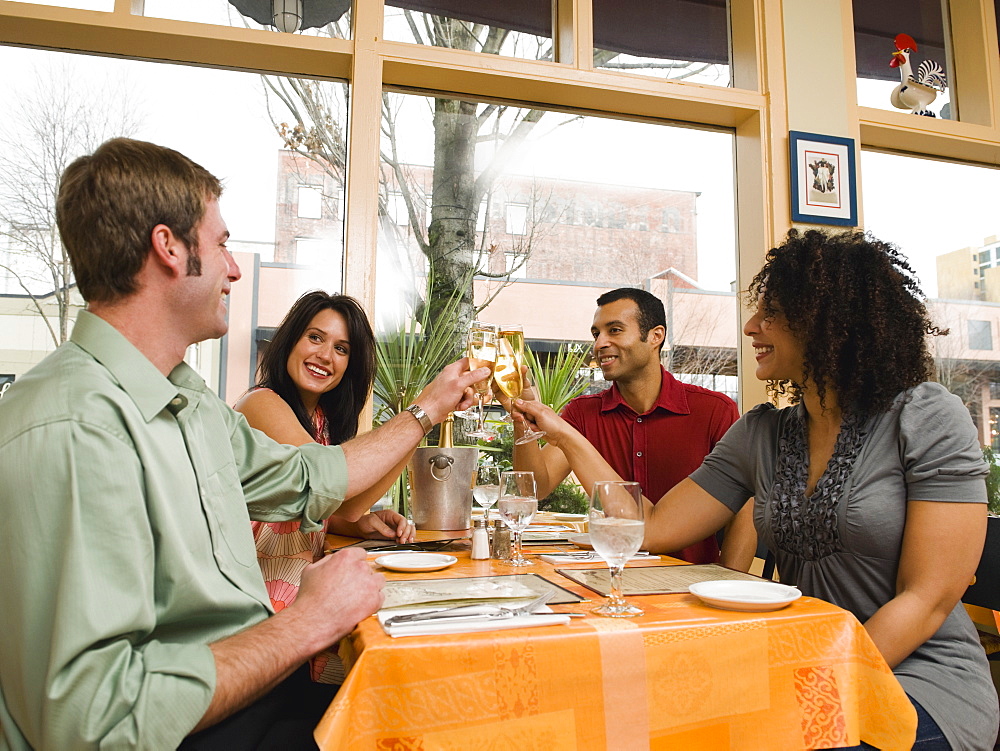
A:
[869, 489]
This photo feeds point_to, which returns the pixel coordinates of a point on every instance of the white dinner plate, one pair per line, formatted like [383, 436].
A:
[581, 541]
[733, 594]
[570, 517]
[415, 561]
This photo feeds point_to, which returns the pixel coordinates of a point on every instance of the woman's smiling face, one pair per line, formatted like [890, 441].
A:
[319, 359]
[780, 354]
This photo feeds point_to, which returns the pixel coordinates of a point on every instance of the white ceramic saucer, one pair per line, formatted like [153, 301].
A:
[415, 561]
[581, 541]
[750, 596]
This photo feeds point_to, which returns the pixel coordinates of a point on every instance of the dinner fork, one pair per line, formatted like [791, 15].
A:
[473, 611]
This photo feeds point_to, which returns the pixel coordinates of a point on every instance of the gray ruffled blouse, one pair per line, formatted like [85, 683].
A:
[842, 544]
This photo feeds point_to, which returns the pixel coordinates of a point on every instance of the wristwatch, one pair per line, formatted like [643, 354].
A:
[425, 422]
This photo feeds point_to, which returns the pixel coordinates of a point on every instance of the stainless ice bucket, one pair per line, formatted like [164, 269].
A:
[441, 486]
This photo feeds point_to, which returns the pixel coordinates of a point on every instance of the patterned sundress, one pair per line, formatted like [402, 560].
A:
[283, 552]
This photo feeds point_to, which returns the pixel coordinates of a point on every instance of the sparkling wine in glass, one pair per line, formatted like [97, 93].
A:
[482, 352]
[517, 506]
[616, 530]
[486, 488]
[508, 374]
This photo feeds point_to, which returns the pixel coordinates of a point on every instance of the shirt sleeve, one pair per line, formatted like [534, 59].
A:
[80, 599]
[727, 473]
[939, 448]
[725, 417]
[280, 482]
[571, 414]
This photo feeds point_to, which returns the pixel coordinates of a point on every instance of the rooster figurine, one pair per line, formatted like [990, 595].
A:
[916, 92]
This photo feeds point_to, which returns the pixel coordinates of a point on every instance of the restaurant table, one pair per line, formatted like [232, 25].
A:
[682, 676]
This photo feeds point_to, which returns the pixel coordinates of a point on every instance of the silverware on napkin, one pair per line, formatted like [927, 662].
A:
[487, 612]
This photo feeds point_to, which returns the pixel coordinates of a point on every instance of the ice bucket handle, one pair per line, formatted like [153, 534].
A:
[441, 463]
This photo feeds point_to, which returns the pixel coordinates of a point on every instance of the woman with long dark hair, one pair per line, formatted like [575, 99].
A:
[313, 381]
[869, 488]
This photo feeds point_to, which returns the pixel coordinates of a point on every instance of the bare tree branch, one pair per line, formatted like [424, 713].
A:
[51, 121]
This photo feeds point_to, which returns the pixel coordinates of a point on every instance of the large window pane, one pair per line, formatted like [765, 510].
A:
[955, 258]
[676, 39]
[548, 210]
[515, 28]
[319, 19]
[284, 209]
[876, 26]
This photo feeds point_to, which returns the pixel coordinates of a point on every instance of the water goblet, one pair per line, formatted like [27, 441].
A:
[517, 506]
[486, 487]
[616, 530]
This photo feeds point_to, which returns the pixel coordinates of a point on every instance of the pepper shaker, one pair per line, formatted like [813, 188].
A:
[500, 547]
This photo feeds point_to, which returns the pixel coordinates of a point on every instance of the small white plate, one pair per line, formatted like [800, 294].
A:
[581, 541]
[750, 596]
[415, 561]
[570, 517]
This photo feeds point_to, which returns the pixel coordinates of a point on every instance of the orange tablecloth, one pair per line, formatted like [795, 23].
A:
[683, 676]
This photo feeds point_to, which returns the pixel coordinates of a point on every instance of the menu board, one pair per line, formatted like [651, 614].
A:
[655, 580]
[509, 589]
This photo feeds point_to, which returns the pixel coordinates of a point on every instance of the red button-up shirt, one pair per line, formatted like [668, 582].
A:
[661, 447]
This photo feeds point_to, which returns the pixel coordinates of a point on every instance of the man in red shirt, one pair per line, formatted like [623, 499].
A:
[650, 427]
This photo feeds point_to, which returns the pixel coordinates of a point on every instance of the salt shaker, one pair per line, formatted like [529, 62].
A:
[500, 545]
[480, 541]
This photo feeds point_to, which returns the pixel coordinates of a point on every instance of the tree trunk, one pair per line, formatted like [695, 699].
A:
[451, 235]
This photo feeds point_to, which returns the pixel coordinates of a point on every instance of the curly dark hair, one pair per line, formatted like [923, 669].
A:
[856, 304]
[341, 405]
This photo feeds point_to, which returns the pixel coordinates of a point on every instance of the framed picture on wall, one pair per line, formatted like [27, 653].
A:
[824, 179]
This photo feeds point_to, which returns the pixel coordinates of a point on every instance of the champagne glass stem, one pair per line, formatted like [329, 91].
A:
[482, 413]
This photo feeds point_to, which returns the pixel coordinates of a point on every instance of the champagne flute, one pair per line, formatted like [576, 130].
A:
[518, 504]
[482, 346]
[616, 529]
[486, 487]
[508, 376]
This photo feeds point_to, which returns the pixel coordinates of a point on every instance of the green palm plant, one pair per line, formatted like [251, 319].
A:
[992, 481]
[406, 360]
[559, 380]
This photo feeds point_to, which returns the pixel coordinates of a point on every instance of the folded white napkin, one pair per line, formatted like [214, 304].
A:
[467, 625]
[570, 558]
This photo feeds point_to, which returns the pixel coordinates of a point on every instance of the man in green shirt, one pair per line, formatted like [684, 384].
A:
[133, 609]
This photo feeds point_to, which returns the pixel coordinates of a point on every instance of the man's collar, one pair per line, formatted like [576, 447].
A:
[136, 375]
[672, 397]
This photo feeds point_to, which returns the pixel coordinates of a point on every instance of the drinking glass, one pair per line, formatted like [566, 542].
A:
[616, 529]
[482, 351]
[517, 507]
[486, 487]
[507, 374]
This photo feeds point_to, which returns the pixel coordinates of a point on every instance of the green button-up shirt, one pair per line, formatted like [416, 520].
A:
[125, 502]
